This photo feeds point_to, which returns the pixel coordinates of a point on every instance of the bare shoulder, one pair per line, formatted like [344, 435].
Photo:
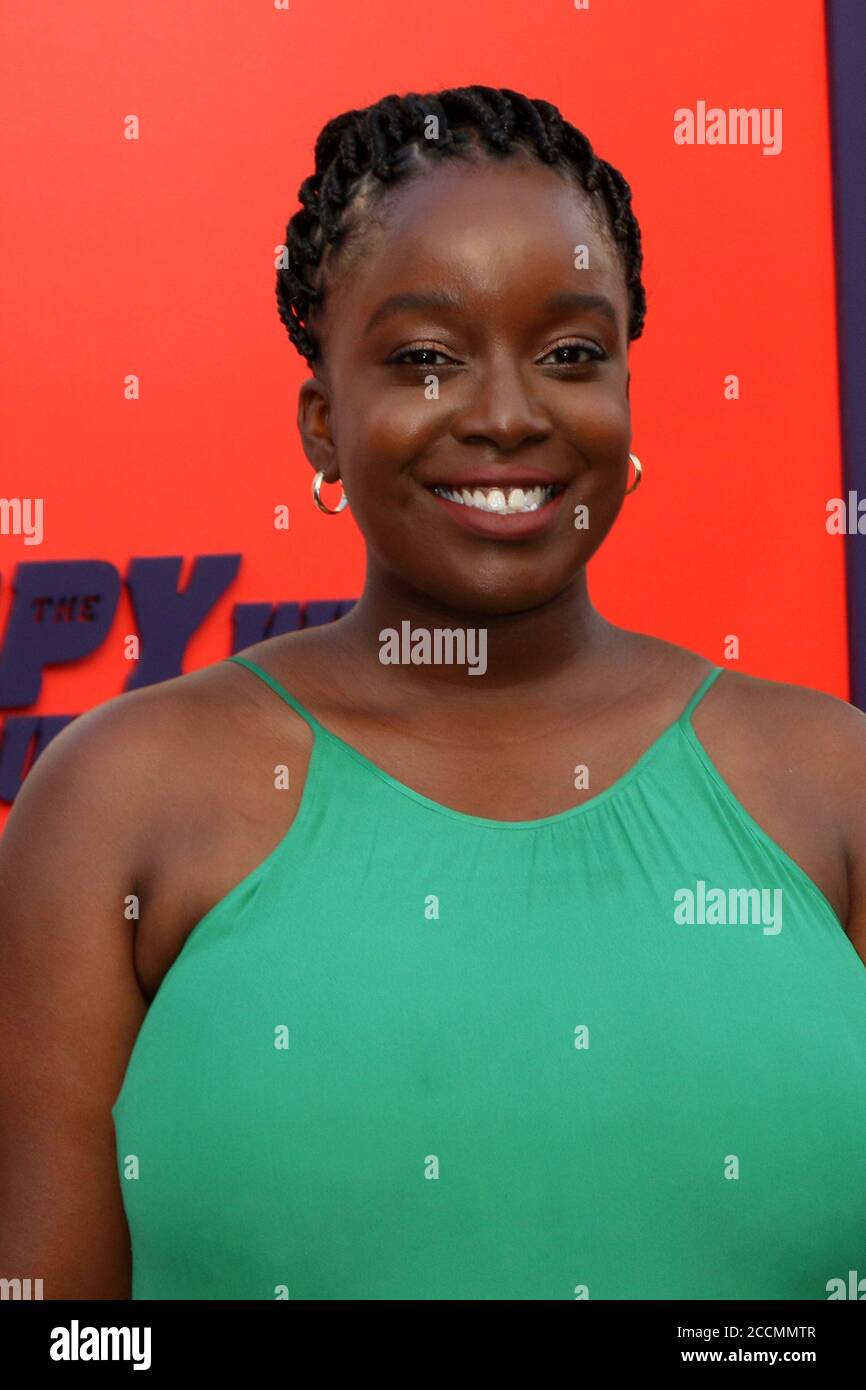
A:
[117, 755]
[795, 728]
[826, 737]
[124, 772]
[97, 768]
[798, 758]
[310, 664]
[145, 731]
[164, 793]
[808, 734]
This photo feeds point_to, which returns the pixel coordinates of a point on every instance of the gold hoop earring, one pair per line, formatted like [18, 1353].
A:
[317, 485]
[638, 473]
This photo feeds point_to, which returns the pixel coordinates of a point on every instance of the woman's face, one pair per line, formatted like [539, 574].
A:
[477, 385]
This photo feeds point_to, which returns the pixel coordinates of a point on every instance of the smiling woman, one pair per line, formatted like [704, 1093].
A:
[426, 1018]
[432, 319]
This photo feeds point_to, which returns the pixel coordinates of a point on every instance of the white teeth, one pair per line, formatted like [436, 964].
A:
[494, 499]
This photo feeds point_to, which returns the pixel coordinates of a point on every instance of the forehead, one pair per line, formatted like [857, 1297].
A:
[492, 230]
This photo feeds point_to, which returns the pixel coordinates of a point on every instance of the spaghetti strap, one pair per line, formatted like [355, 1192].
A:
[280, 690]
[686, 716]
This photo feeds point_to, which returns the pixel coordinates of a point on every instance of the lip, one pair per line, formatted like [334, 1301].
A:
[495, 476]
[497, 527]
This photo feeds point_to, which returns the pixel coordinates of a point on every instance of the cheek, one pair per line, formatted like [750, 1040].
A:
[389, 433]
[401, 421]
[598, 421]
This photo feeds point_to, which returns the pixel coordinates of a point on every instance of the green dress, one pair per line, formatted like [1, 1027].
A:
[615, 1053]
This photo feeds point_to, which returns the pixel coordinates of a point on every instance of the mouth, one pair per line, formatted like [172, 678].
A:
[523, 510]
[513, 500]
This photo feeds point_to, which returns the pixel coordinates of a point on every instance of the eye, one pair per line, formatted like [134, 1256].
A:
[595, 353]
[428, 349]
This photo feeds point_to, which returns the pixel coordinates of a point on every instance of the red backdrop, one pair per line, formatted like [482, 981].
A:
[156, 257]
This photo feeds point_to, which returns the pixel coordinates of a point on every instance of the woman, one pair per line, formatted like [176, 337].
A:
[528, 968]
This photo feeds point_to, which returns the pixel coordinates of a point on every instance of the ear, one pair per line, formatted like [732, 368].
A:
[315, 430]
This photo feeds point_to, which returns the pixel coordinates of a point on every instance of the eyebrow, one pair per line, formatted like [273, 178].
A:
[574, 299]
[412, 299]
[440, 299]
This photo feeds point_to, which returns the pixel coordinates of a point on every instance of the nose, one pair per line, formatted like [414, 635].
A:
[502, 407]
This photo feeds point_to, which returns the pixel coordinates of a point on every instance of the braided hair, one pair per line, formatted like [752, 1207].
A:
[359, 152]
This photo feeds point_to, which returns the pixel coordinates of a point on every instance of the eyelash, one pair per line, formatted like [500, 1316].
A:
[597, 354]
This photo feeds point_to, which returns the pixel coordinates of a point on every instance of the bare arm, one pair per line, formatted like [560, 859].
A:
[856, 925]
[851, 780]
[70, 1009]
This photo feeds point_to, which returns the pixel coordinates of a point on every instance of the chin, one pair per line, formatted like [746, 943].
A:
[496, 594]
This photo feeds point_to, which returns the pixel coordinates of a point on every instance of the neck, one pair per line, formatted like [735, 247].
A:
[542, 649]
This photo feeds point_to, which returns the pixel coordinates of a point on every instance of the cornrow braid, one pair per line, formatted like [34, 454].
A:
[360, 151]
